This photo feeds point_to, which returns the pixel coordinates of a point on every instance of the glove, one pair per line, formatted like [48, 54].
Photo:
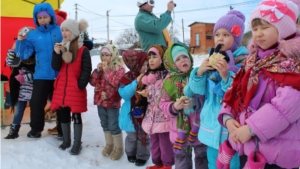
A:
[20, 78]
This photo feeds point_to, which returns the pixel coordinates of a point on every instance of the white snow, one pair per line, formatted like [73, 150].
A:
[43, 153]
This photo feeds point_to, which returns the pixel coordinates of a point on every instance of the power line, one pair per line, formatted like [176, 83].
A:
[201, 9]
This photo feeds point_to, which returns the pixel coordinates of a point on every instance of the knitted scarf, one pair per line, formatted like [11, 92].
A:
[175, 83]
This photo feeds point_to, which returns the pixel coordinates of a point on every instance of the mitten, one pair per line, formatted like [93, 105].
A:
[20, 78]
[137, 112]
[193, 134]
[149, 79]
[255, 161]
[225, 155]
[180, 141]
[21, 72]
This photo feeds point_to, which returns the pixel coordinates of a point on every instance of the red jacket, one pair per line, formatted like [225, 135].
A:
[106, 87]
[70, 84]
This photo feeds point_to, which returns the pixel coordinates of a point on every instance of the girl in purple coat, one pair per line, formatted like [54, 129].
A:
[262, 105]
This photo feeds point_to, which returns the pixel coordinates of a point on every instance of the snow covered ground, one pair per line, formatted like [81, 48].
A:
[43, 153]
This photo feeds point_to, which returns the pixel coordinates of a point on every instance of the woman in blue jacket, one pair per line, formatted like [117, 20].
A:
[42, 41]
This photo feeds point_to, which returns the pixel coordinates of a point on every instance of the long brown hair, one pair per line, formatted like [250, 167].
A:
[74, 48]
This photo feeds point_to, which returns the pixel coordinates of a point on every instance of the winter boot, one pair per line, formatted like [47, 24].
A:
[54, 130]
[77, 139]
[66, 129]
[180, 141]
[119, 149]
[255, 161]
[225, 155]
[34, 134]
[109, 144]
[59, 132]
[13, 133]
[193, 134]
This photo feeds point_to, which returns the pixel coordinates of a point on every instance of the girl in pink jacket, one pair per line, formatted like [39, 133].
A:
[262, 104]
[155, 122]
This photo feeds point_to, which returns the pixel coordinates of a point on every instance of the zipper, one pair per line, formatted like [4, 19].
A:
[63, 100]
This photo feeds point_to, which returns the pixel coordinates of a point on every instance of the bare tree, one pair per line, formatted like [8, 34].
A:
[187, 42]
[128, 37]
[173, 34]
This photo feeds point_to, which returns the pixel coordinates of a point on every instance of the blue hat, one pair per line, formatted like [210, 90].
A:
[178, 51]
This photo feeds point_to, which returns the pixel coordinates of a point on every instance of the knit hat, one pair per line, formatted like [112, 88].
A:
[233, 22]
[159, 50]
[178, 51]
[280, 13]
[60, 17]
[106, 50]
[42, 13]
[75, 27]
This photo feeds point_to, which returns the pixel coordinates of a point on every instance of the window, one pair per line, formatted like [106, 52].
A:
[208, 36]
[197, 39]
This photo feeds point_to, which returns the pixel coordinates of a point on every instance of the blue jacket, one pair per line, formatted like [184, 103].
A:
[211, 133]
[127, 92]
[41, 40]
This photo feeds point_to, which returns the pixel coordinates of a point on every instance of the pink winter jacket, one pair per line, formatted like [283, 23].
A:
[165, 105]
[155, 121]
[276, 122]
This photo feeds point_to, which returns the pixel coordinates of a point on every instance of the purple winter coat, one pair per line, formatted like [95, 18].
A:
[274, 117]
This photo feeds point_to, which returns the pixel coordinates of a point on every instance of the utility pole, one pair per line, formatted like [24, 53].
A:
[182, 31]
[107, 26]
[172, 34]
[76, 11]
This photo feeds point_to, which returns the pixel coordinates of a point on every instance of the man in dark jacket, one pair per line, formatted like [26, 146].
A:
[149, 27]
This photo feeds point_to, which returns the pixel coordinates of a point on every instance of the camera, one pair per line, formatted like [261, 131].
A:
[24, 31]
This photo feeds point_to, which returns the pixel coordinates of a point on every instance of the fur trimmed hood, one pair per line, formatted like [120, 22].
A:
[289, 47]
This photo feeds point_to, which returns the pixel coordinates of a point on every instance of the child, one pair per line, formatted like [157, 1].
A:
[155, 123]
[21, 85]
[179, 62]
[73, 61]
[106, 80]
[263, 103]
[41, 40]
[137, 146]
[214, 81]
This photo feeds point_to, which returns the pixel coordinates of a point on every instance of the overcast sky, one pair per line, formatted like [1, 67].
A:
[122, 13]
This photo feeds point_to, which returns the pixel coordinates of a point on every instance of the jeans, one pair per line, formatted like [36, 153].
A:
[109, 119]
[21, 105]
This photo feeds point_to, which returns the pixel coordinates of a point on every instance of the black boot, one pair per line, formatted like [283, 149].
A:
[13, 133]
[66, 129]
[77, 139]
[59, 131]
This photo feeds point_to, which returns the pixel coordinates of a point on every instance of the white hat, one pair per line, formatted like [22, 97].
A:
[142, 2]
[75, 27]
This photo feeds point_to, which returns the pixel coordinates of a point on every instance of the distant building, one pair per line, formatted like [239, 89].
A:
[202, 38]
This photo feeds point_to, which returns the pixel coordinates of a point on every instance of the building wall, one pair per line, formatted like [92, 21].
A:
[204, 44]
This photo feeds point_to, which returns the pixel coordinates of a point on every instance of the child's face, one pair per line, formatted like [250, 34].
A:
[222, 36]
[183, 63]
[144, 67]
[43, 20]
[105, 57]
[67, 34]
[154, 61]
[265, 35]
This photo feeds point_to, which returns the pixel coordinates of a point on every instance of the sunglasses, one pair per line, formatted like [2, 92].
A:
[151, 2]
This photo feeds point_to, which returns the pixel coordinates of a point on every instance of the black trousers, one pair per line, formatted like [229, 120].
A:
[42, 90]
[243, 160]
[65, 115]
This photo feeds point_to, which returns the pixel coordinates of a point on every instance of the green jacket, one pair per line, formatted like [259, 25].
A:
[150, 28]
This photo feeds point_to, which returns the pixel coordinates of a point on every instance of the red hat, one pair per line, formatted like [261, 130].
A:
[60, 16]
